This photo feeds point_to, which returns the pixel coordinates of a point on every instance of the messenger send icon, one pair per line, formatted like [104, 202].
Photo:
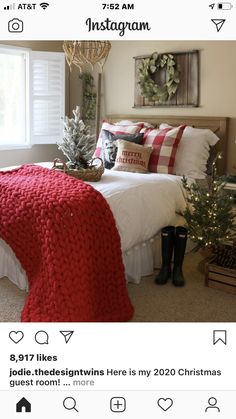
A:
[67, 334]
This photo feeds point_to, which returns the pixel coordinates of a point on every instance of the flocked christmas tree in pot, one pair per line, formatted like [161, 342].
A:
[209, 214]
[78, 145]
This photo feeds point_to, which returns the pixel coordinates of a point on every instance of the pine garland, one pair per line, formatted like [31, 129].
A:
[89, 97]
[78, 144]
[209, 212]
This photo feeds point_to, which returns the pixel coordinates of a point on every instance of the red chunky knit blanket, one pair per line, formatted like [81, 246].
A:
[63, 232]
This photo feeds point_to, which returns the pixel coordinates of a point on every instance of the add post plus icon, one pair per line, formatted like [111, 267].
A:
[118, 404]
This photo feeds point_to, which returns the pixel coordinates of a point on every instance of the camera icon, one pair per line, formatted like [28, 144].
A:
[15, 25]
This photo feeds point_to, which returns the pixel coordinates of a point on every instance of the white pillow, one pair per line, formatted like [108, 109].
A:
[126, 122]
[193, 151]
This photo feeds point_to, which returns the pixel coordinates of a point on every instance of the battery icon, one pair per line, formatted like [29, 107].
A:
[224, 6]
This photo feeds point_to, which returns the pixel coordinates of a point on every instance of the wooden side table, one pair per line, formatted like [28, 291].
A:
[216, 276]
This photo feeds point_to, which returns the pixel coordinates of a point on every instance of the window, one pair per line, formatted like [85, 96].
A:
[47, 96]
[13, 123]
[32, 97]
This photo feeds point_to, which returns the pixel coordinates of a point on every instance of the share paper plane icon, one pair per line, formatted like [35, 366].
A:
[219, 23]
[67, 334]
[212, 6]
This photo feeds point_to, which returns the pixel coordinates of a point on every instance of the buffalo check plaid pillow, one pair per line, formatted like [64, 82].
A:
[116, 129]
[164, 143]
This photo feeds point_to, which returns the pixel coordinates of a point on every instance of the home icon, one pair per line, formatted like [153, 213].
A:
[23, 406]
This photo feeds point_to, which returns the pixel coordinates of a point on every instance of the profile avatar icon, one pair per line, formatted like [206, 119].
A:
[212, 402]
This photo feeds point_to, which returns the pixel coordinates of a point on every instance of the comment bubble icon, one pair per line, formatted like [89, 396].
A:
[41, 337]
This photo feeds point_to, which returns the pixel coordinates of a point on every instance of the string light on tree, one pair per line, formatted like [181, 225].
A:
[209, 211]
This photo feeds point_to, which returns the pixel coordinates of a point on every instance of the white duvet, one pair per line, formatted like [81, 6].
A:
[142, 204]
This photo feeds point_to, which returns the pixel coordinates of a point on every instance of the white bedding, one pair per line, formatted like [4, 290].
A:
[142, 204]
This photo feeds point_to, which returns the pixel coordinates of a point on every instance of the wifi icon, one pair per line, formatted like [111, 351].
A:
[44, 5]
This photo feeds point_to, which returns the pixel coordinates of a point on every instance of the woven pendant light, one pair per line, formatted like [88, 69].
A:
[82, 53]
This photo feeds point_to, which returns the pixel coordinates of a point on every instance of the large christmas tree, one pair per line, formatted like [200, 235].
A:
[78, 144]
[209, 211]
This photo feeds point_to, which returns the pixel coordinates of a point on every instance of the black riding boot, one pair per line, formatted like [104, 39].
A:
[167, 244]
[181, 235]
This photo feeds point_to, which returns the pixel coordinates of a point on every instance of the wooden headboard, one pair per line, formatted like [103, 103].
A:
[219, 125]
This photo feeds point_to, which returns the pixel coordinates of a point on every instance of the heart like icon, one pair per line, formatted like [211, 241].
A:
[165, 404]
[16, 337]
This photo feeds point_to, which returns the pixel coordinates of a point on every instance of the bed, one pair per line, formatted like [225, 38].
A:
[142, 204]
[139, 213]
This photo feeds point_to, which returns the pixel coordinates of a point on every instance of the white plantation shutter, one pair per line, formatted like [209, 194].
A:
[47, 96]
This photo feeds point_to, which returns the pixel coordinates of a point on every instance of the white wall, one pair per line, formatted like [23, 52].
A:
[217, 81]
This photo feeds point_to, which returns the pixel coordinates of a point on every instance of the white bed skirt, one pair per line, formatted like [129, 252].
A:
[139, 261]
[11, 267]
[142, 259]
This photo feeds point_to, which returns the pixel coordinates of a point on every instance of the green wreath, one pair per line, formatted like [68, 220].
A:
[149, 66]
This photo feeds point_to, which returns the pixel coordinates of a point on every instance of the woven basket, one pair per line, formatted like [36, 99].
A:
[92, 174]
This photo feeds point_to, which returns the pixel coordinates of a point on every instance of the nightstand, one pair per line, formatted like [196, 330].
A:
[220, 276]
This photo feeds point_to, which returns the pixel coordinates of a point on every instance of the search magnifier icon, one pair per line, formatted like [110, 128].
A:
[69, 403]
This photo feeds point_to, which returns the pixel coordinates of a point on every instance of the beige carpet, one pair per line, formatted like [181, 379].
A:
[192, 303]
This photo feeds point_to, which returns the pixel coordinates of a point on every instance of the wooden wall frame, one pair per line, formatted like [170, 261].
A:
[187, 94]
